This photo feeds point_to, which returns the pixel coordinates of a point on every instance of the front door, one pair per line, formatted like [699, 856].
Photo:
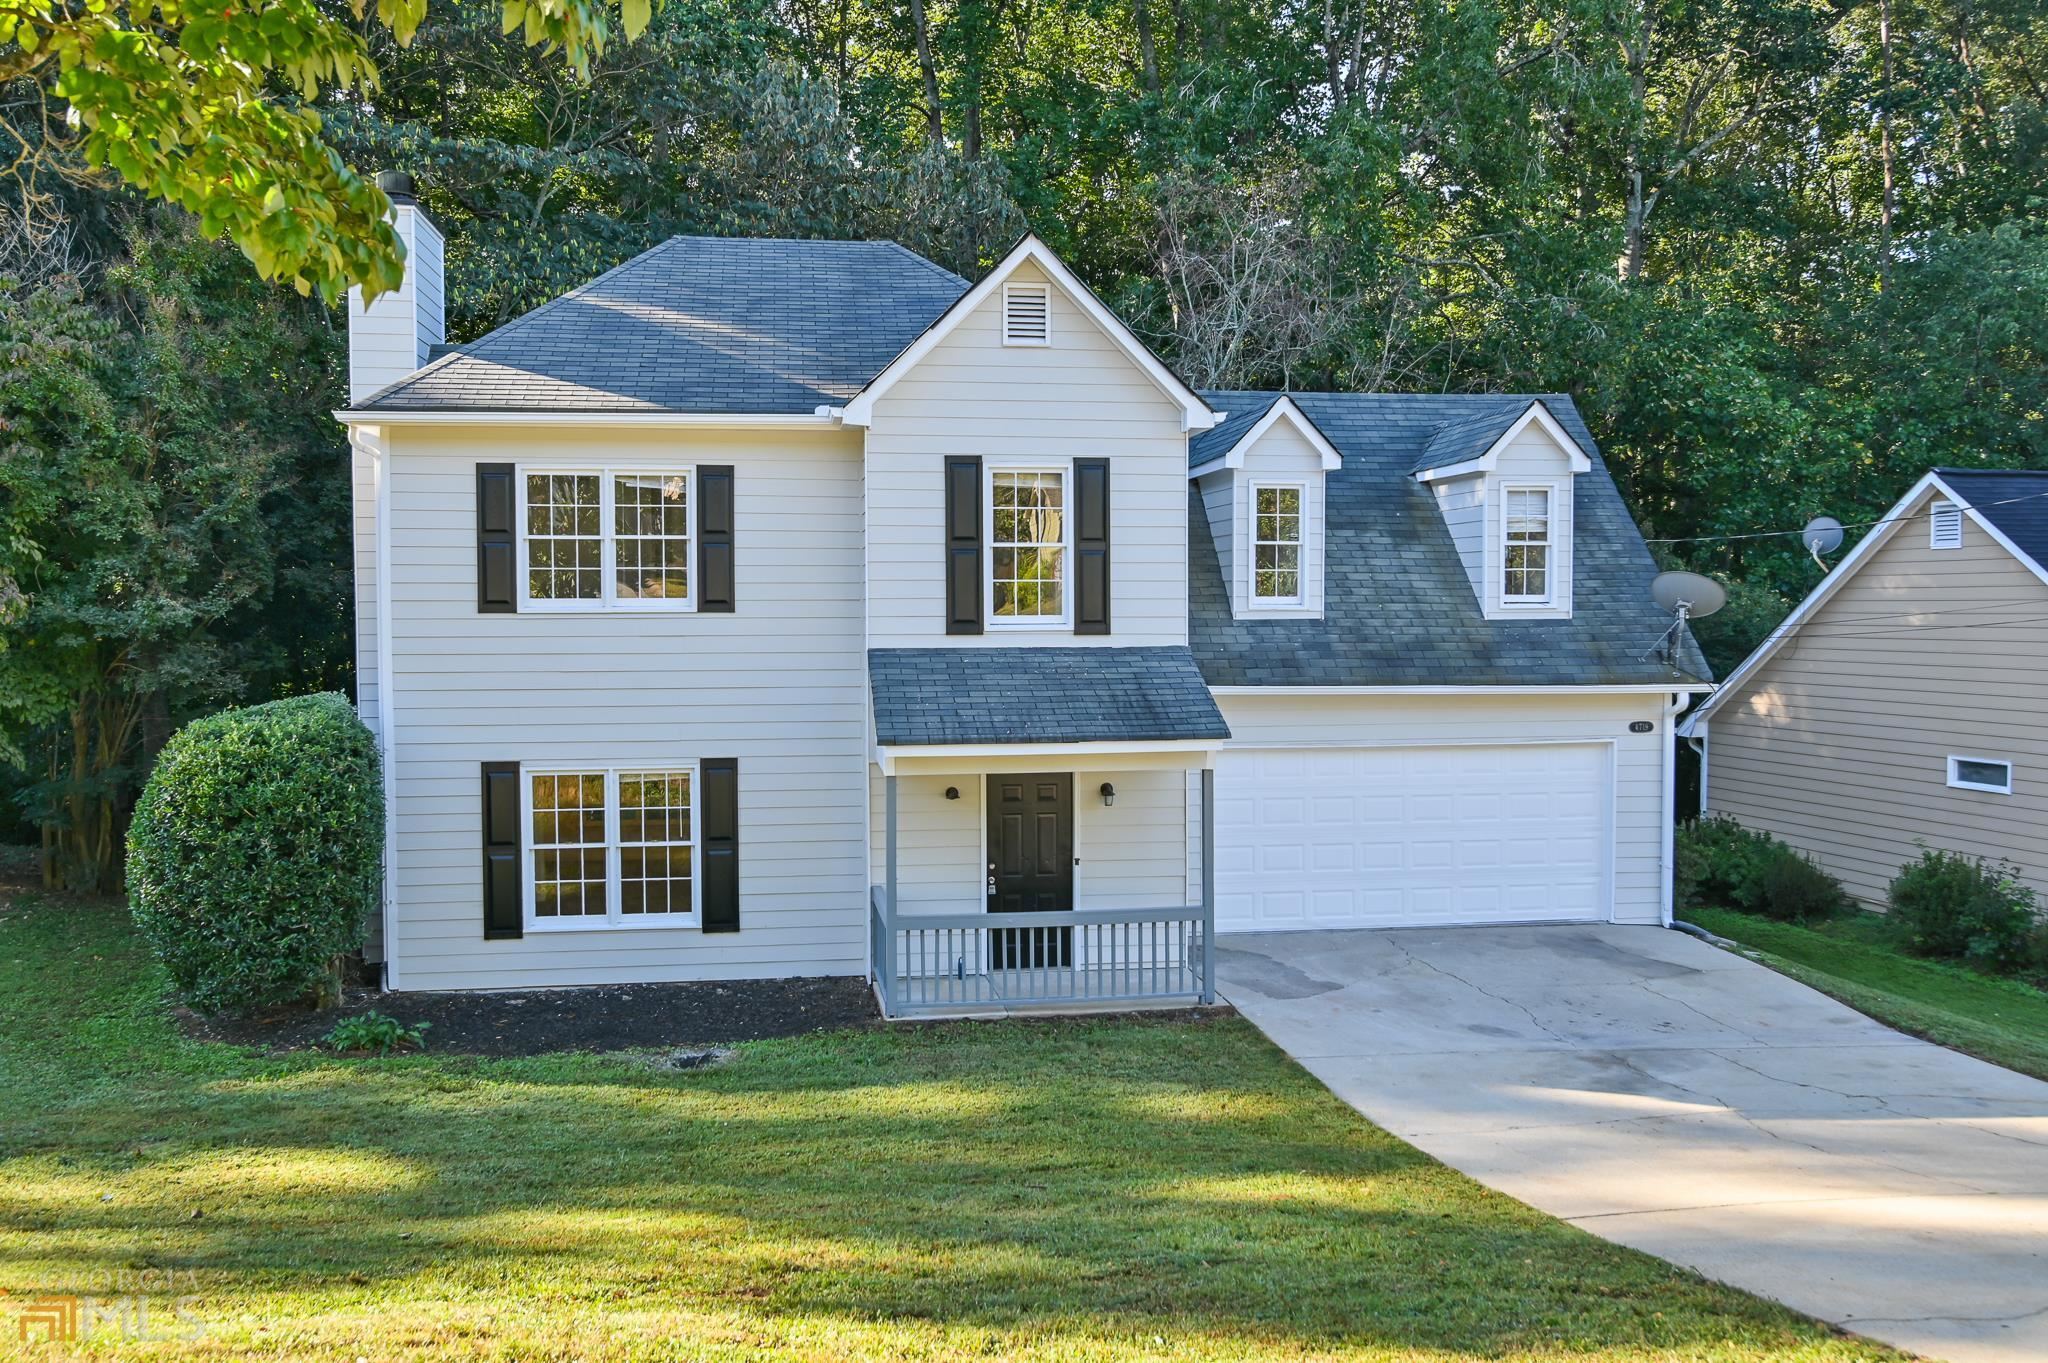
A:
[1031, 864]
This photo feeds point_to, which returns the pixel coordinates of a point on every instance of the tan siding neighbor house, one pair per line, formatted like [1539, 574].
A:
[1905, 702]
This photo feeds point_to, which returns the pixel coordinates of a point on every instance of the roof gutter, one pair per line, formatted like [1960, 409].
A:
[823, 419]
[1624, 689]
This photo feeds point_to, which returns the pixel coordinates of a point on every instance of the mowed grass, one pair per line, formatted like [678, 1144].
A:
[1858, 959]
[1083, 1190]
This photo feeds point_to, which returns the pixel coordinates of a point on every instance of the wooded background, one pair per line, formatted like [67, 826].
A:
[1785, 254]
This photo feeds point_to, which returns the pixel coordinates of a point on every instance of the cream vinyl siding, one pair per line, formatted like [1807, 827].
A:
[1840, 743]
[1077, 397]
[780, 684]
[1463, 504]
[1133, 854]
[1259, 721]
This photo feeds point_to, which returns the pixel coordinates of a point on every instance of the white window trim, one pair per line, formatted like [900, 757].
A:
[1064, 468]
[1252, 598]
[607, 517]
[1554, 561]
[1042, 291]
[614, 920]
[1956, 782]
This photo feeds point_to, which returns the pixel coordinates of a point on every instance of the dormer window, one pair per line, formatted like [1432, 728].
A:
[1276, 544]
[1027, 314]
[1526, 546]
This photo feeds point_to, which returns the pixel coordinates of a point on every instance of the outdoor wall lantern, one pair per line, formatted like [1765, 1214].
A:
[952, 792]
[1108, 793]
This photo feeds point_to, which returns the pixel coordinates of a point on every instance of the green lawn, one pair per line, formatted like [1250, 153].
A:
[1054, 1191]
[1856, 958]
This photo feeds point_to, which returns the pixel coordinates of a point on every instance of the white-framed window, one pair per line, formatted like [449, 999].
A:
[1027, 314]
[610, 846]
[1980, 773]
[1945, 526]
[1527, 550]
[603, 538]
[1277, 519]
[1027, 528]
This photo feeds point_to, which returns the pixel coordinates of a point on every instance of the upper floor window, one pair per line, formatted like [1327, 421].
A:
[1276, 545]
[606, 538]
[1526, 546]
[1028, 546]
[1945, 526]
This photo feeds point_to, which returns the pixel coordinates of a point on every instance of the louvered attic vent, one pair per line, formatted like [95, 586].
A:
[1945, 526]
[1027, 314]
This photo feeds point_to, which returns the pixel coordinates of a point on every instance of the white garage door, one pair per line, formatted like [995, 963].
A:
[1393, 837]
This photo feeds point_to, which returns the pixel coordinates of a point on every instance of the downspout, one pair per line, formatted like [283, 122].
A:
[1672, 706]
[387, 725]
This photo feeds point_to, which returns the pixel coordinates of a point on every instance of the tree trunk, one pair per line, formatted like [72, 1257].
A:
[1888, 204]
[934, 124]
[1148, 59]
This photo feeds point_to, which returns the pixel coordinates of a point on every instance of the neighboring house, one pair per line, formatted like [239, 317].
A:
[1904, 703]
[768, 608]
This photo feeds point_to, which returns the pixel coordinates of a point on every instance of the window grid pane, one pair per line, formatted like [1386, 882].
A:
[1028, 544]
[651, 536]
[1276, 544]
[569, 851]
[564, 537]
[655, 852]
[1526, 559]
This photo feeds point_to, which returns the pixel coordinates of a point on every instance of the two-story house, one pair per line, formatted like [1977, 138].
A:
[768, 608]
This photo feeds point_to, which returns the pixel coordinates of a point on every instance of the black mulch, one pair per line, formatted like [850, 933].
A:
[608, 1017]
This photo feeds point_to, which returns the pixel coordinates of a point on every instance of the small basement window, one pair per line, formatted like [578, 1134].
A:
[1945, 526]
[1027, 314]
[1980, 773]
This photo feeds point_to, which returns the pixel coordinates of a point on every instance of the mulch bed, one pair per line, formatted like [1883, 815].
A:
[609, 1017]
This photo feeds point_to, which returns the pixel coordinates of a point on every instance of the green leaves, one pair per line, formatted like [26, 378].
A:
[178, 102]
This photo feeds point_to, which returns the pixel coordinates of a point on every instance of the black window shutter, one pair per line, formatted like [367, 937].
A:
[720, 816]
[503, 912]
[714, 538]
[1091, 546]
[497, 549]
[963, 545]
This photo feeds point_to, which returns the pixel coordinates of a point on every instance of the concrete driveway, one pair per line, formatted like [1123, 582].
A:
[1667, 1095]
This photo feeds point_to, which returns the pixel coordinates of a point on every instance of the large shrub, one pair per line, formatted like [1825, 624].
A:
[254, 855]
[1962, 908]
[1721, 864]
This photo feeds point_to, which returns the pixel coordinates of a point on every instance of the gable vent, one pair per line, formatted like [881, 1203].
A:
[1027, 314]
[1945, 526]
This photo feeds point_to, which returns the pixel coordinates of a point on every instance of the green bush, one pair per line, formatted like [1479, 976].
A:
[1962, 908]
[254, 855]
[375, 1034]
[1721, 864]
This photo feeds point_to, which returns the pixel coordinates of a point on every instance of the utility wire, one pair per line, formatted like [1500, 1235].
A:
[1859, 525]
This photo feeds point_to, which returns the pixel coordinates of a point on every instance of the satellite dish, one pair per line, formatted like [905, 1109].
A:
[1688, 595]
[1822, 535]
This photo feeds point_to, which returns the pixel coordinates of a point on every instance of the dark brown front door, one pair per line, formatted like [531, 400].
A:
[1031, 863]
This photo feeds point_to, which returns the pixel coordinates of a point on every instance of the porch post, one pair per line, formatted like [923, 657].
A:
[889, 891]
[1208, 885]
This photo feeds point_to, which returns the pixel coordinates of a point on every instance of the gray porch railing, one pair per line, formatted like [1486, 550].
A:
[963, 962]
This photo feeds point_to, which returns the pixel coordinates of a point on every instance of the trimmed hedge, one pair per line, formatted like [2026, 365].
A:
[255, 852]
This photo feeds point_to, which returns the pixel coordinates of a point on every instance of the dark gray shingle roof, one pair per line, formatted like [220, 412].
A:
[1399, 609]
[1465, 438]
[699, 324]
[1217, 441]
[924, 696]
[2014, 500]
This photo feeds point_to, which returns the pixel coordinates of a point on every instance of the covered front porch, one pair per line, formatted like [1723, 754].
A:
[1042, 870]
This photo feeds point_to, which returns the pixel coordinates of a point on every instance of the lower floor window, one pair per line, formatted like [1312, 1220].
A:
[611, 845]
[1980, 773]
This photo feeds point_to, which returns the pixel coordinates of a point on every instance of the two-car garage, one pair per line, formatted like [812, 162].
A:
[1379, 833]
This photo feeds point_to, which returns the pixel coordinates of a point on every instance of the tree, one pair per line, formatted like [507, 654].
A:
[176, 97]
